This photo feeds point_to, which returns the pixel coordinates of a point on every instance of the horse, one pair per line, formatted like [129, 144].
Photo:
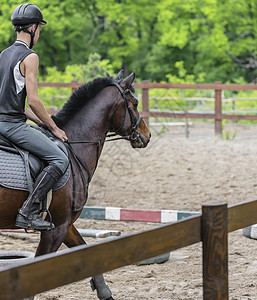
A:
[104, 105]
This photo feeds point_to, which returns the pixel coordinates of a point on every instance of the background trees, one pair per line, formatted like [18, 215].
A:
[208, 40]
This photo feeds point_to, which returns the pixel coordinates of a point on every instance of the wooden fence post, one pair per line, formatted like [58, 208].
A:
[73, 89]
[218, 111]
[145, 102]
[215, 251]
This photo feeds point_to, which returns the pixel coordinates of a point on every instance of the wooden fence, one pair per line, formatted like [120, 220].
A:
[211, 227]
[217, 116]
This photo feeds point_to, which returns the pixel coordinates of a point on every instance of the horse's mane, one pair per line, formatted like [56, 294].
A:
[81, 96]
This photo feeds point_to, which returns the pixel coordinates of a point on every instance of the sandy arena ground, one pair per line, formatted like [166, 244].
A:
[173, 172]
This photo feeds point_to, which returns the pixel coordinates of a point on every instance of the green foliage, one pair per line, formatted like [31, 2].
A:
[162, 40]
[7, 35]
[174, 99]
[228, 134]
[95, 67]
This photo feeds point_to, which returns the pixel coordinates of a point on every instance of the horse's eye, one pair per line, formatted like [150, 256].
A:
[134, 101]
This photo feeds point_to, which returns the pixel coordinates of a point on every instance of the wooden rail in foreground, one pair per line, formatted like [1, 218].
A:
[211, 227]
[218, 87]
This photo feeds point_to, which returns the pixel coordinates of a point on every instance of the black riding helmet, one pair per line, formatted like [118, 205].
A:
[24, 16]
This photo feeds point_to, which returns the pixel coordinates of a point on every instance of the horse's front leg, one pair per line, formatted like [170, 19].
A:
[73, 238]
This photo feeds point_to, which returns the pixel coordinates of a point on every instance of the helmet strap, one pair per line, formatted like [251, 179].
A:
[32, 34]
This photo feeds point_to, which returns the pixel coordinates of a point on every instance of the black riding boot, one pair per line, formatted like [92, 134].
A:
[28, 216]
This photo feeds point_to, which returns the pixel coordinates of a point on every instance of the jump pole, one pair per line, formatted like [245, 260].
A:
[137, 215]
[215, 251]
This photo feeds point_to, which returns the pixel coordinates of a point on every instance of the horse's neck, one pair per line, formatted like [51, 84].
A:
[90, 125]
[92, 119]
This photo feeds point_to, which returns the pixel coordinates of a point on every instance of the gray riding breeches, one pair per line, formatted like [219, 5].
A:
[25, 136]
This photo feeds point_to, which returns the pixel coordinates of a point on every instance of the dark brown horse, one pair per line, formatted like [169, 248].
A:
[94, 109]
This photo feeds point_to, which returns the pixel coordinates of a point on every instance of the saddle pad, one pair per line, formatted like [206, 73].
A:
[12, 174]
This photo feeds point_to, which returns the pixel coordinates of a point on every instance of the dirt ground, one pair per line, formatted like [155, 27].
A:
[173, 172]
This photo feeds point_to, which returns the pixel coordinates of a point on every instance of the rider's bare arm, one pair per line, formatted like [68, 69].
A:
[32, 117]
[29, 68]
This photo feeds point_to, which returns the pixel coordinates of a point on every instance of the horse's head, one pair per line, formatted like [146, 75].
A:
[127, 121]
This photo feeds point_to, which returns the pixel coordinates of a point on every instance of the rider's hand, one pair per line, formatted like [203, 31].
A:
[60, 134]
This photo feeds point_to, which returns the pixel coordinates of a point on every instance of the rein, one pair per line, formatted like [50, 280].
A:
[82, 166]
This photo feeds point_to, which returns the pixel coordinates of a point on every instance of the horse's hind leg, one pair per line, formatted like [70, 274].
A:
[73, 239]
[51, 240]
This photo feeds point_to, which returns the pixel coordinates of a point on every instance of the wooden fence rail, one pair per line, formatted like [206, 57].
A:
[218, 87]
[54, 270]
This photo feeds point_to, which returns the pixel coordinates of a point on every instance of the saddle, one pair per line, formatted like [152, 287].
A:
[19, 168]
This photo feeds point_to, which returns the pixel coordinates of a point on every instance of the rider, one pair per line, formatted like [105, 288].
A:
[18, 79]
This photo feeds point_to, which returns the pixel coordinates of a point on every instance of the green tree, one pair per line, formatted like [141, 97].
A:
[95, 67]
[201, 33]
[147, 35]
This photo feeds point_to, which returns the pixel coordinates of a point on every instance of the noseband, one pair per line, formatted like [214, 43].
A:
[134, 122]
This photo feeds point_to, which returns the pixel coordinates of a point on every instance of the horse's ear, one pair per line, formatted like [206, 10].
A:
[119, 75]
[125, 83]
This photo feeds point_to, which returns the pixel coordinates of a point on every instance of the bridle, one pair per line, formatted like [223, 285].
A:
[134, 122]
[133, 136]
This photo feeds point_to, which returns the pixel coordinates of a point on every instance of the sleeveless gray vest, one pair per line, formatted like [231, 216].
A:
[12, 83]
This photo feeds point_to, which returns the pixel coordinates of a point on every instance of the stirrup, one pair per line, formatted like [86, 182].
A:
[46, 210]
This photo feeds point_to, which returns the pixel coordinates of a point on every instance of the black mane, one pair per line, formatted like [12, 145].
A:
[81, 96]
